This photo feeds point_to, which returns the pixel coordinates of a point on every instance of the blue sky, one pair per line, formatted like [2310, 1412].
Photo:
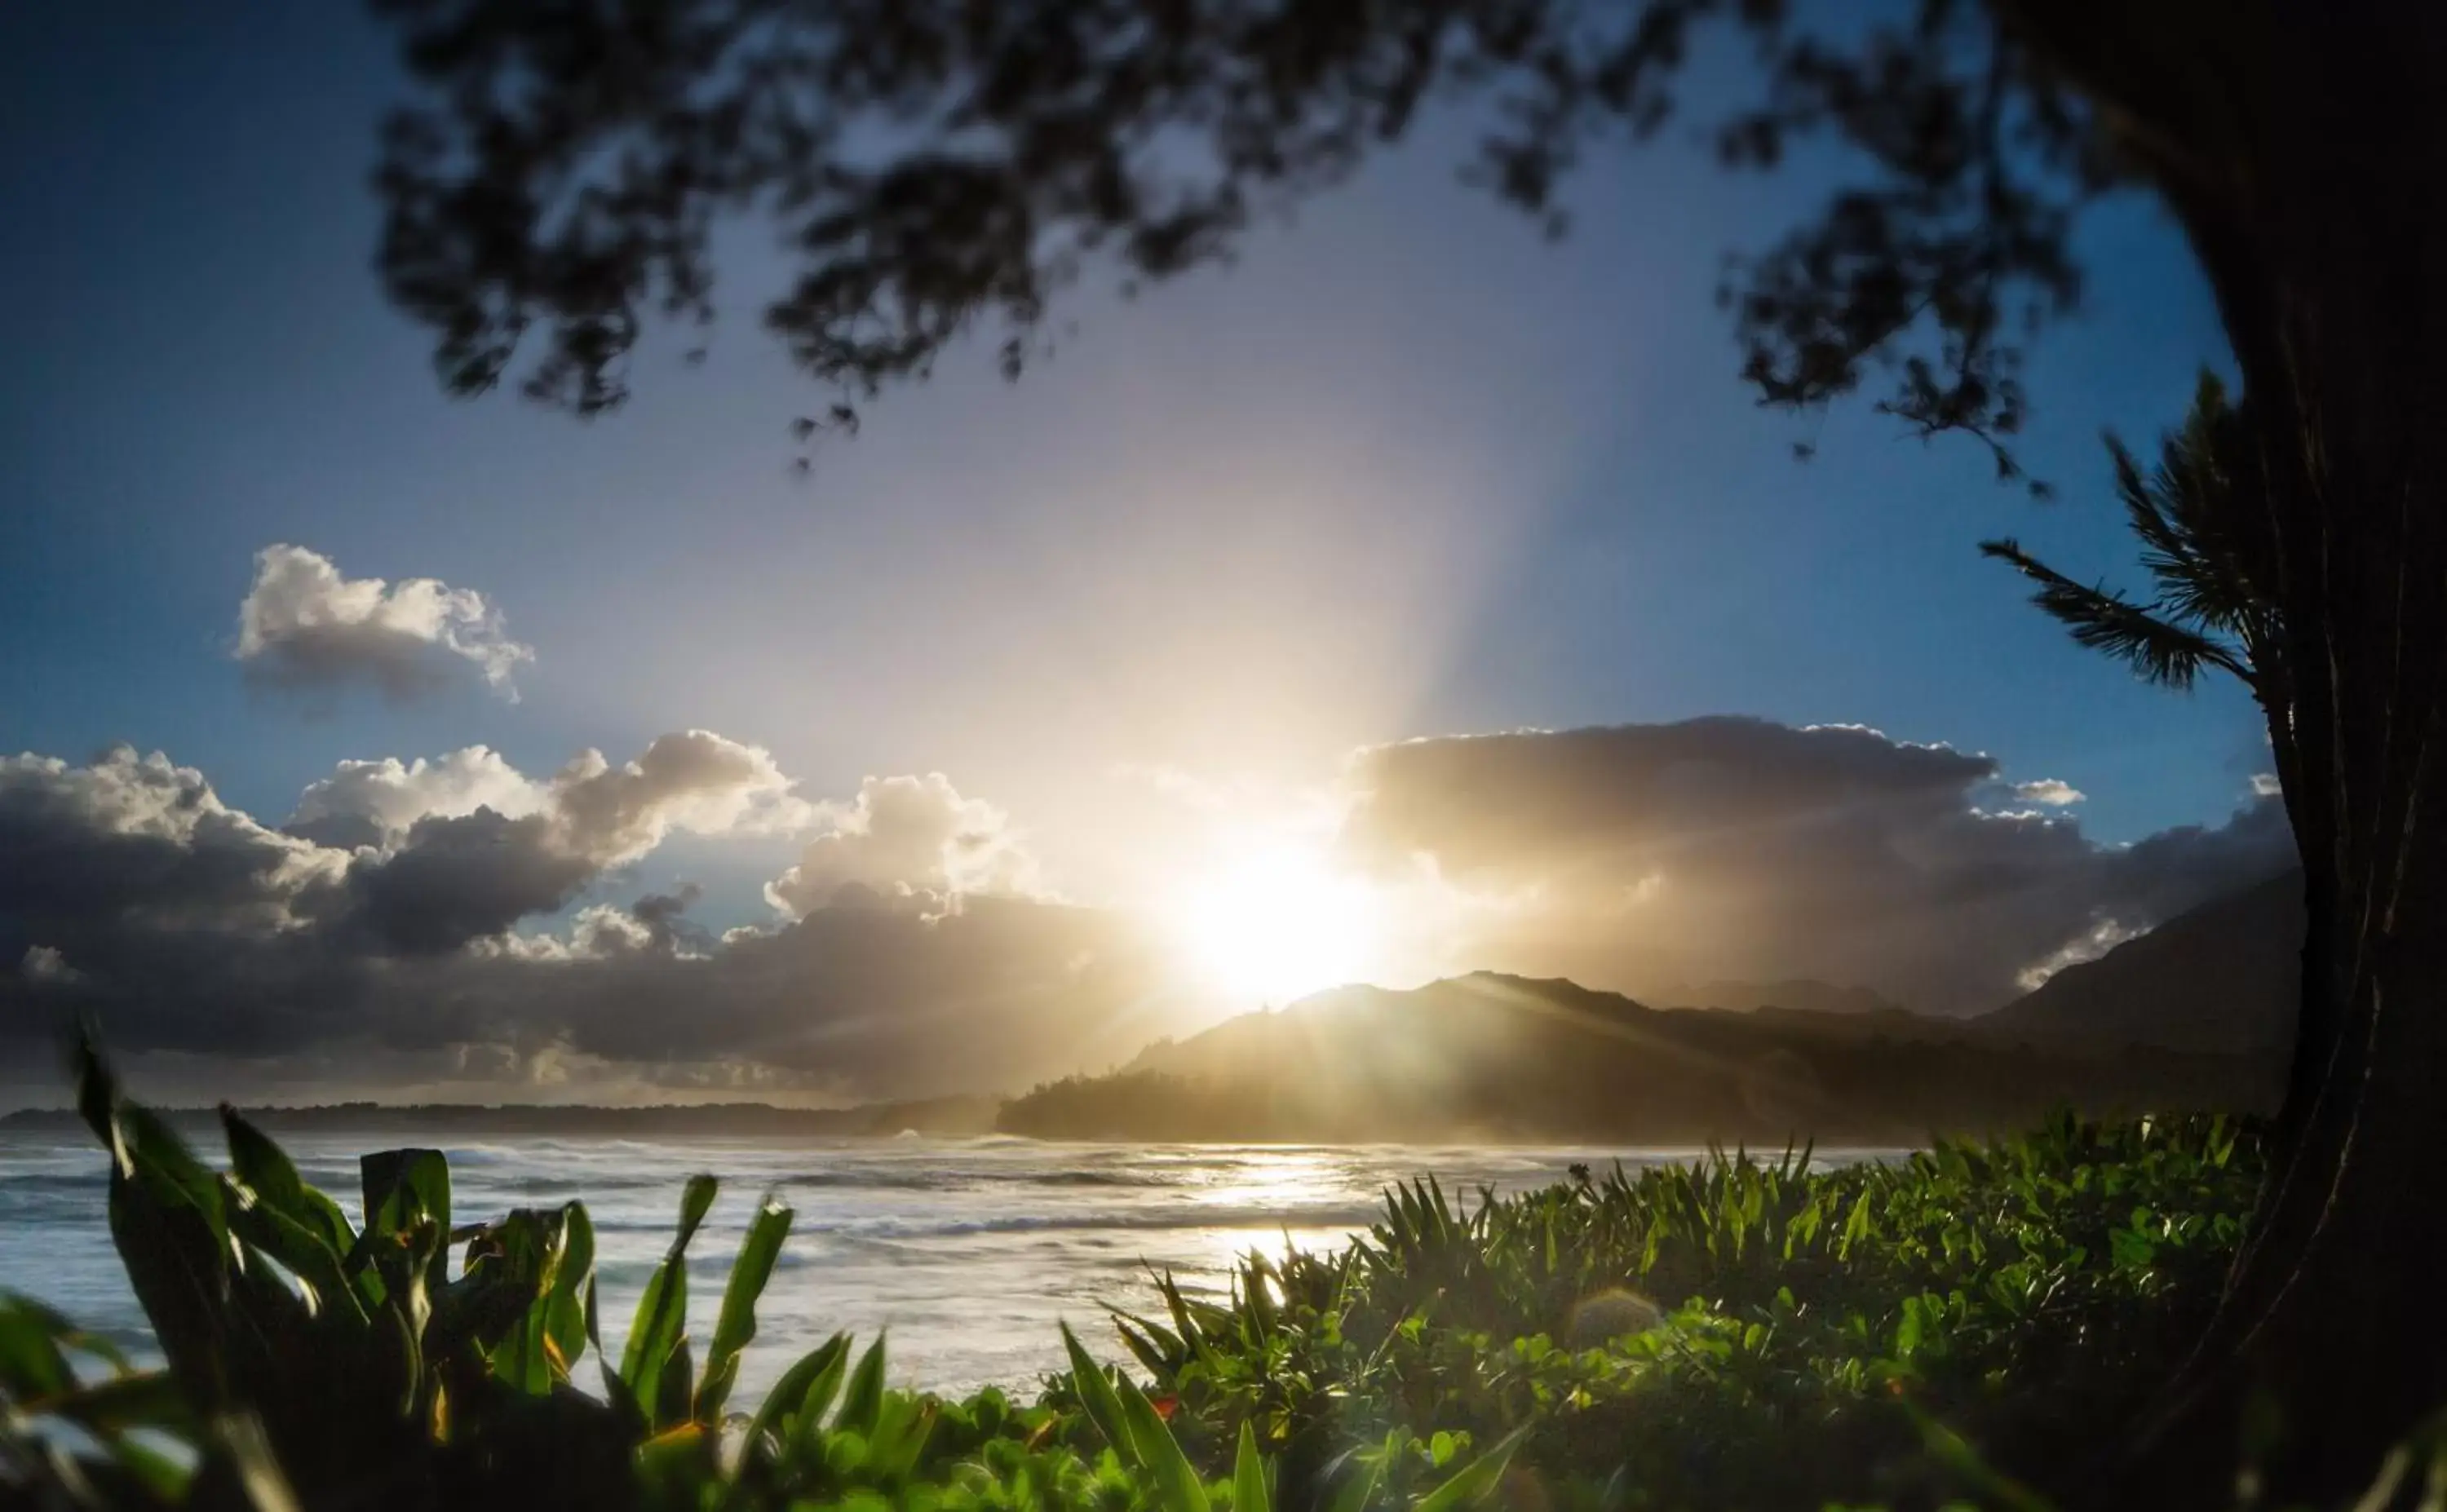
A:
[1406, 470]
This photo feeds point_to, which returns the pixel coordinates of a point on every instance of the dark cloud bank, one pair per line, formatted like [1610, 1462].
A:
[372, 942]
[1647, 855]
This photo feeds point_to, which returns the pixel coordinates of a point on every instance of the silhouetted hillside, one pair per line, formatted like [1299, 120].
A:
[942, 1116]
[1492, 1057]
[1802, 995]
[2221, 980]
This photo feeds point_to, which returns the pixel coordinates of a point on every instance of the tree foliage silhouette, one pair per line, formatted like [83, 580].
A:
[2200, 517]
[945, 168]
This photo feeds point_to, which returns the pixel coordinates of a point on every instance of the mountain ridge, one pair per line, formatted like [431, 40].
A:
[1509, 1059]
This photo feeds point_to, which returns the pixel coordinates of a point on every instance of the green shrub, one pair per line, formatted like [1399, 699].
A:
[1955, 1327]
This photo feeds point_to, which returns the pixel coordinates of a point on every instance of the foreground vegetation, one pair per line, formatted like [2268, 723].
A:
[1978, 1325]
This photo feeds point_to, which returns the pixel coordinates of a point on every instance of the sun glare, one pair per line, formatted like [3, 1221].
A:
[1275, 922]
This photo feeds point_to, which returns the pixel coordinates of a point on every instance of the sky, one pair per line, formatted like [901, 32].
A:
[1096, 685]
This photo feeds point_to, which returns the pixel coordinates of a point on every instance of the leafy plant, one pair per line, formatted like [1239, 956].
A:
[1966, 1325]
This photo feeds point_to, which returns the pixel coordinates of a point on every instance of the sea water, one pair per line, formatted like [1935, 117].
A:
[969, 1252]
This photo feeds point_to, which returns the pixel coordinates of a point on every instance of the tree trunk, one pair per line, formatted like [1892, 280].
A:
[2313, 182]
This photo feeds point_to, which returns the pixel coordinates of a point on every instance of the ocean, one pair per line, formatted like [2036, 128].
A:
[969, 1252]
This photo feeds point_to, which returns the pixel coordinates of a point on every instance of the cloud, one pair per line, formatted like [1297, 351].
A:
[463, 870]
[1730, 848]
[2049, 790]
[374, 803]
[394, 957]
[303, 626]
[695, 781]
[908, 838]
[392, 936]
[137, 840]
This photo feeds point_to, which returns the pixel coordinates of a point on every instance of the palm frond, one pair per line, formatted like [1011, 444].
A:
[2160, 650]
[2197, 517]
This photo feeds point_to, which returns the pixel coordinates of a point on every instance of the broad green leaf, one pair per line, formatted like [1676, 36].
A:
[796, 1394]
[675, 1458]
[146, 1399]
[900, 1435]
[32, 1363]
[98, 1094]
[1472, 1483]
[1249, 1475]
[1096, 1397]
[737, 1322]
[239, 1440]
[157, 1474]
[404, 1189]
[168, 1221]
[676, 1386]
[1178, 1486]
[862, 1403]
[273, 1178]
[569, 1321]
[302, 1250]
[807, 1428]
[662, 1311]
[1355, 1492]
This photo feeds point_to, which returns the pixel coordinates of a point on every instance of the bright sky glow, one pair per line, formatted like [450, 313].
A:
[1275, 921]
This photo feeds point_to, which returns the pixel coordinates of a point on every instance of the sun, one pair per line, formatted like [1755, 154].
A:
[1274, 922]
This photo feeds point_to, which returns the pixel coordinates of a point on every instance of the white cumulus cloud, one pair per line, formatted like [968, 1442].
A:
[908, 838]
[304, 625]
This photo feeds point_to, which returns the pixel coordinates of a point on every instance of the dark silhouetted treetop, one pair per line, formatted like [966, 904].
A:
[937, 167]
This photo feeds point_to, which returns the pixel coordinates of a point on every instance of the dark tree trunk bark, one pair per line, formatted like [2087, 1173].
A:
[2313, 182]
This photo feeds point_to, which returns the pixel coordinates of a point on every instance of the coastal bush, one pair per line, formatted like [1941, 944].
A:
[1972, 1325]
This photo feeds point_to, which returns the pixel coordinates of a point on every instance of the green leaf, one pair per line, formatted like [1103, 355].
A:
[240, 1442]
[98, 1094]
[1096, 1397]
[807, 1428]
[1474, 1482]
[168, 1223]
[806, 1387]
[403, 1190]
[1356, 1491]
[268, 1174]
[899, 1436]
[862, 1403]
[675, 1387]
[32, 1363]
[1177, 1483]
[737, 1324]
[569, 1309]
[1249, 1475]
[662, 1311]
[303, 1251]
